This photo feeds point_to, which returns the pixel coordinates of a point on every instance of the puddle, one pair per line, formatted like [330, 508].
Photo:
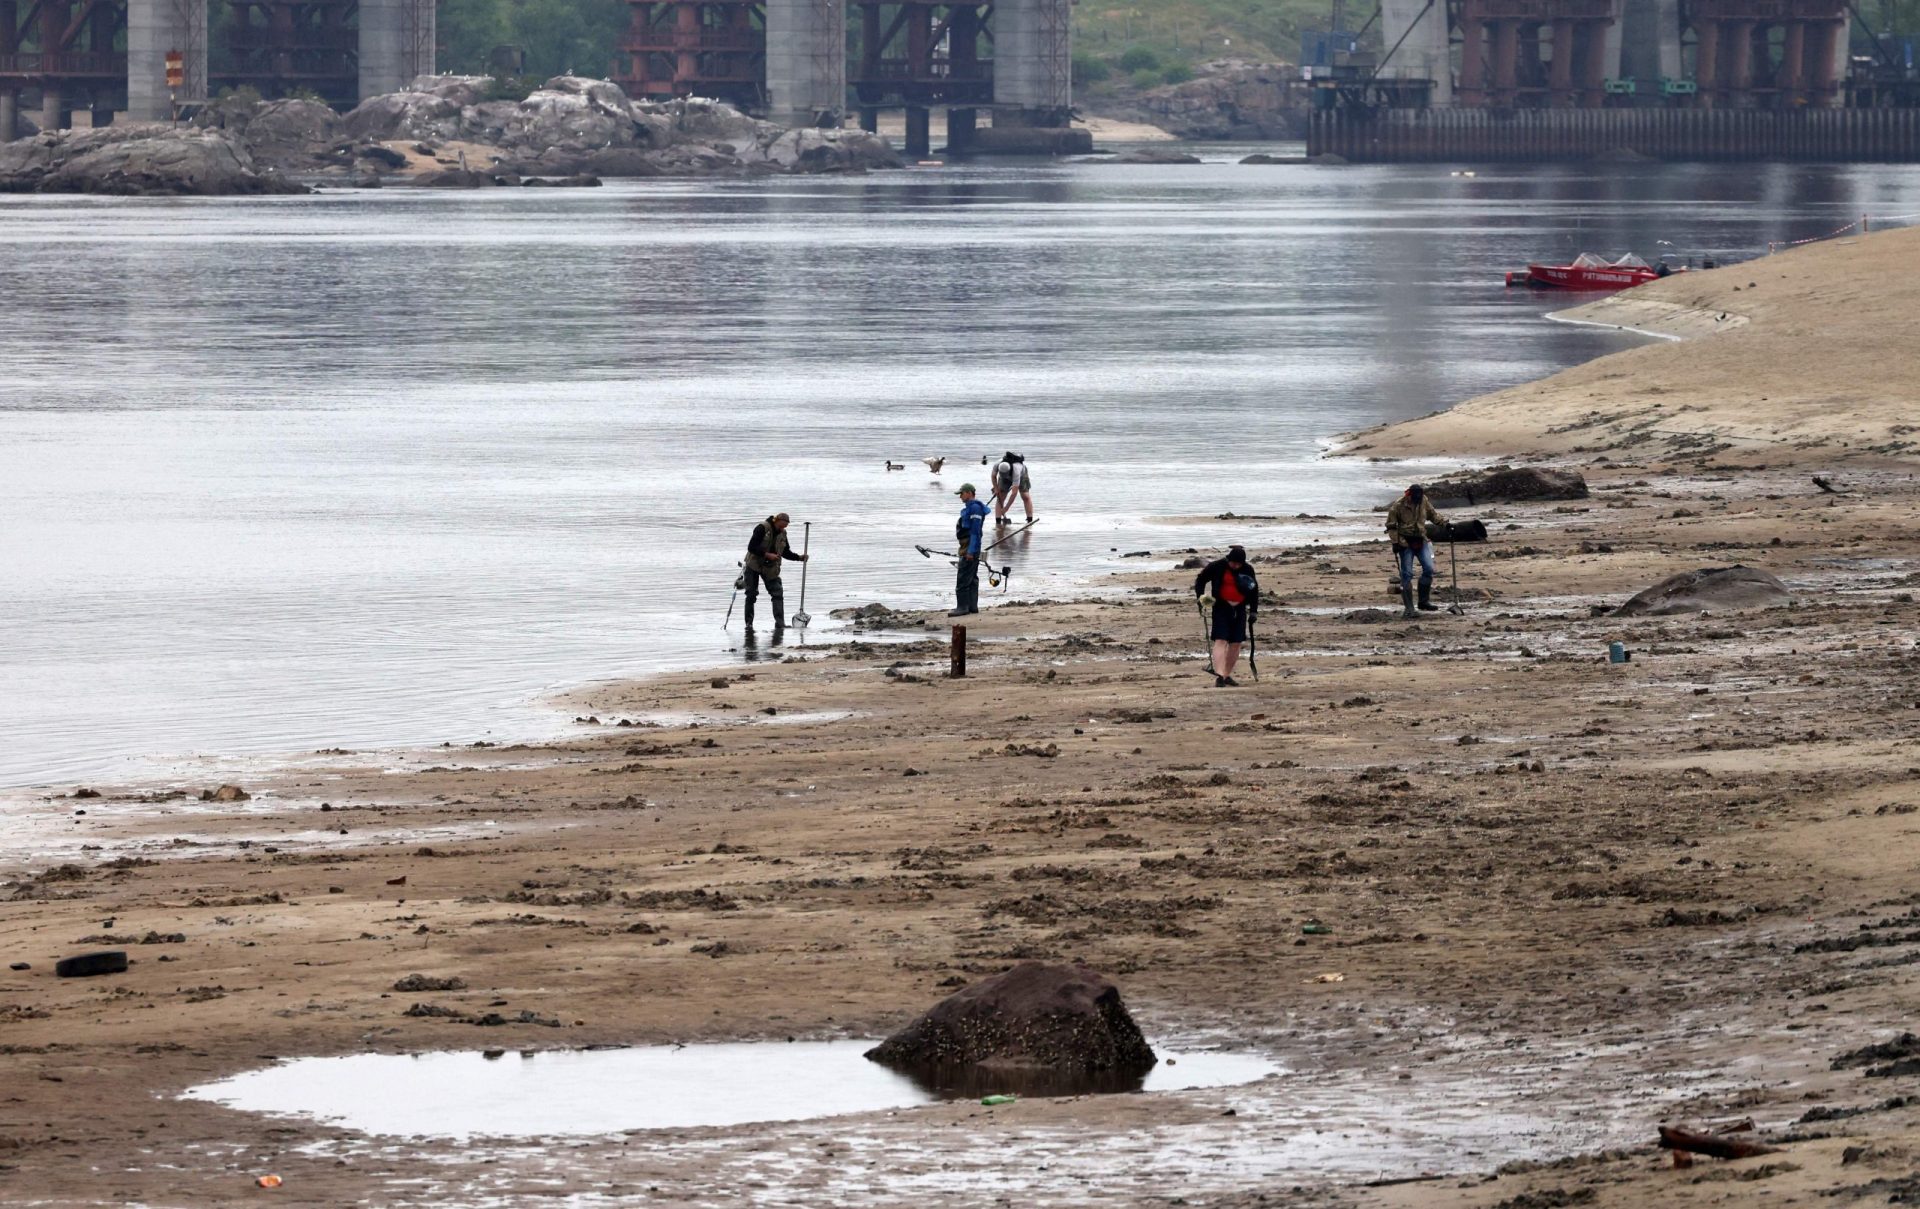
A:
[547, 1093]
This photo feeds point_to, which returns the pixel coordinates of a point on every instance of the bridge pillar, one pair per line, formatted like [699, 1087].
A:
[1424, 54]
[396, 44]
[806, 61]
[1649, 48]
[53, 107]
[1032, 62]
[960, 127]
[155, 27]
[919, 132]
[9, 115]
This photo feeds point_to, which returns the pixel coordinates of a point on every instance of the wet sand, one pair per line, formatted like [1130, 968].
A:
[1568, 900]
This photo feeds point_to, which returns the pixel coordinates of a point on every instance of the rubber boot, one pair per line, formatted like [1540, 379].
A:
[1426, 597]
[1406, 601]
[749, 613]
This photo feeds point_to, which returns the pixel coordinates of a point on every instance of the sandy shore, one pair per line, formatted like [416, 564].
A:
[1568, 900]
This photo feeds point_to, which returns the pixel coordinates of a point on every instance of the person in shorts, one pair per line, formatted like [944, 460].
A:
[1232, 590]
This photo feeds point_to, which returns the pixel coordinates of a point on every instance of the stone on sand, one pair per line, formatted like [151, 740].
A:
[1036, 1016]
[1509, 484]
[1709, 589]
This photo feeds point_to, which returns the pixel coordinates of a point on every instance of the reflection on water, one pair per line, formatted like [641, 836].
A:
[366, 469]
[495, 1093]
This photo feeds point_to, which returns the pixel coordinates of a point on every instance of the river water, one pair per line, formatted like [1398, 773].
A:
[388, 467]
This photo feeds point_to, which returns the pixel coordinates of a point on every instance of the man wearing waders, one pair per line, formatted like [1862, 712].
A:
[765, 550]
[1010, 478]
[967, 532]
[1407, 522]
[1229, 586]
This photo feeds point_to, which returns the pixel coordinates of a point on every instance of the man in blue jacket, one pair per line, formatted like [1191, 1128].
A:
[973, 517]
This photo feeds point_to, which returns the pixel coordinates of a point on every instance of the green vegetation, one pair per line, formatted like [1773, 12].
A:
[1194, 31]
[1143, 44]
[557, 35]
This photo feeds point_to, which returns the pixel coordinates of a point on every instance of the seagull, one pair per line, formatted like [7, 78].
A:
[934, 464]
[896, 465]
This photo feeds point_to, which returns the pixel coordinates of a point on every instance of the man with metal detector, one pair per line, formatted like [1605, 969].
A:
[766, 549]
[1229, 587]
[967, 532]
[1407, 521]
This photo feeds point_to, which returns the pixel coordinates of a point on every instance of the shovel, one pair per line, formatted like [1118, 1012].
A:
[801, 618]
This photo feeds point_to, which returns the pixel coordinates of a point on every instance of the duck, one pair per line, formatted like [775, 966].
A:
[934, 464]
[896, 465]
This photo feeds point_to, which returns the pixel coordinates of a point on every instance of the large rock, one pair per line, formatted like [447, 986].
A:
[573, 114]
[1508, 484]
[429, 107]
[136, 159]
[1033, 1017]
[809, 149]
[1708, 590]
[1229, 99]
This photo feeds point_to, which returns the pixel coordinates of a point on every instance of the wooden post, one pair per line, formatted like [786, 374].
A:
[957, 666]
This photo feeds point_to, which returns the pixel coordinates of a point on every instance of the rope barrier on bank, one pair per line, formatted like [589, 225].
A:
[1864, 223]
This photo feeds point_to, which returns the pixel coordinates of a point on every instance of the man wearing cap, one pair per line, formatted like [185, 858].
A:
[1407, 522]
[765, 551]
[966, 532]
[1229, 587]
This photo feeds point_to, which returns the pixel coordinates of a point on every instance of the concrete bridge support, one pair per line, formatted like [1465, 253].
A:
[1033, 80]
[396, 44]
[154, 28]
[1650, 41]
[806, 62]
[1423, 55]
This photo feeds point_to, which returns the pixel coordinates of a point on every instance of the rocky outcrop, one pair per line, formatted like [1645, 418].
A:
[572, 126]
[1033, 1017]
[1229, 99]
[1708, 590]
[1508, 484]
[137, 159]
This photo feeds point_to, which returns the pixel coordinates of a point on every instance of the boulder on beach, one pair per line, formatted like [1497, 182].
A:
[1710, 589]
[139, 159]
[1035, 1016]
[1508, 484]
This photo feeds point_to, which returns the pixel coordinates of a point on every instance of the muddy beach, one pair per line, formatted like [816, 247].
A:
[1495, 907]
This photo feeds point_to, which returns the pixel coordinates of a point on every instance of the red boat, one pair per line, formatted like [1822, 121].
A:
[1588, 272]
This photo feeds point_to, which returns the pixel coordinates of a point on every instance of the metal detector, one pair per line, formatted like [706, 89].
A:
[1253, 645]
[801, 618]
[739, 582]
[1453, 559]
[1206, 633]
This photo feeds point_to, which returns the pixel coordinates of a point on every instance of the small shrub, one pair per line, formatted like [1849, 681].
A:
[1144, 79]
[1139, 59]
[1178, 73]
[1089, 70]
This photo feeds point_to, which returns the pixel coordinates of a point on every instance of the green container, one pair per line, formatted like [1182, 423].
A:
[990, 1101]
[1316, 928]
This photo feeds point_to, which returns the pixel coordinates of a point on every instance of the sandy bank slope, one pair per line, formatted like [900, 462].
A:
[1803, 356]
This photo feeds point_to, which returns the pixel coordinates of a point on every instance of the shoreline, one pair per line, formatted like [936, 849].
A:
[1589, 898]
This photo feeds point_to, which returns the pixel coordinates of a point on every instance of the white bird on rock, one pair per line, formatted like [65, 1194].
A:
[934, 464]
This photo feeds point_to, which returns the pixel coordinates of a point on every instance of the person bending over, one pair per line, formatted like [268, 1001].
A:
[1010, 478]
[1230, 587]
